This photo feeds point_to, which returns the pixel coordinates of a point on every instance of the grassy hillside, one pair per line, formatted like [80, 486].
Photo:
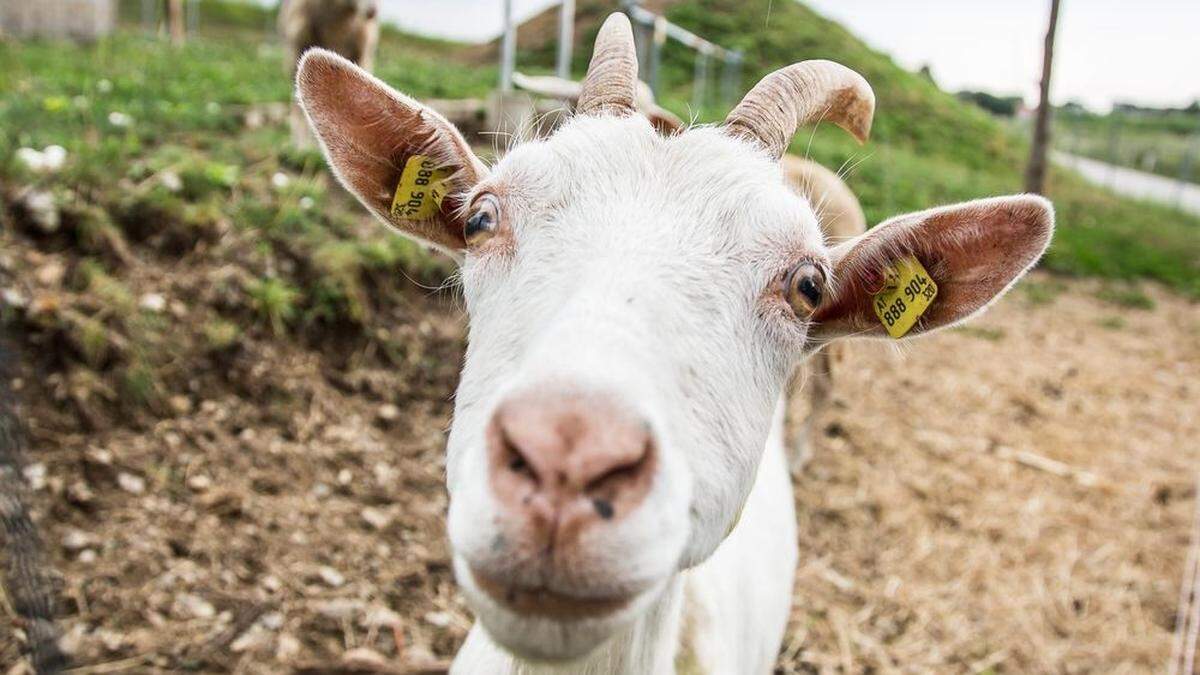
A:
[927, 147]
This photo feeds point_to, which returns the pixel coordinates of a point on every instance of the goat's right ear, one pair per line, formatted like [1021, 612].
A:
[406, 163]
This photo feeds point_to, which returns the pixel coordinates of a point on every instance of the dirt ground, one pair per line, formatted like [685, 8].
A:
[1014, 496]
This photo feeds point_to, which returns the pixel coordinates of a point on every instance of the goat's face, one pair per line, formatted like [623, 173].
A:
[636, 305]
[624, 358]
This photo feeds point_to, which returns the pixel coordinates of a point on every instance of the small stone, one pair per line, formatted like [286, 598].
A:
[98, 456]
[76, 540]
[280, 180]
[73, 639]
[344, 477]
[271, 583]
[181, 404]
[31, 158]
[50, 274]
[130, 483]
[377, 518]
[119, 119]
[80, 492]
[330, 576]
[439, 619]
[339, 609]
[171, 181]
[87, 556]
[362, 658]
[153, 302]
[35, 475]
[194, 606]
[382, 617]
[253, 639]
[54, 157]
[199, 482]
[307, 203]
[13, 297]
[112, 640]
[287, 648]
[42, 210]
[385, 474]
[388, 413]
[272, 620]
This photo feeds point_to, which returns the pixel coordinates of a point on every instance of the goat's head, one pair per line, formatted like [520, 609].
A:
[636, 304]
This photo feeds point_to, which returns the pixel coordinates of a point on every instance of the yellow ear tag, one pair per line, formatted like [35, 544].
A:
[907, 292]
[421, 189]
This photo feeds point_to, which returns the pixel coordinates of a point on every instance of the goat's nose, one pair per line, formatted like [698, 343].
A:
[561, 459]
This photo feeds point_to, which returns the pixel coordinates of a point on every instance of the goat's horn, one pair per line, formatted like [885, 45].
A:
[798, 94]
[611, 81]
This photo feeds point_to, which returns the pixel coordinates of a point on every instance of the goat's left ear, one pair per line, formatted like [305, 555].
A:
[404, 161]
[973, 252]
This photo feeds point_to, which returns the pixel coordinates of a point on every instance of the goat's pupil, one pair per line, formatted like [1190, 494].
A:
[810, 290]
[478, 223]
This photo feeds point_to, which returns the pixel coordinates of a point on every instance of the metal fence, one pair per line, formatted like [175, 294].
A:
[651, 31]
[76, 19]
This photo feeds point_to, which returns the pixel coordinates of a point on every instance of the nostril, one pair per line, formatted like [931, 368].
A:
[604, 508]
[622, 473]
[517, 463]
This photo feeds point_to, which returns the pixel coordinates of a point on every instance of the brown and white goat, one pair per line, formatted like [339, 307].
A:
[619, 494]
[347, 27]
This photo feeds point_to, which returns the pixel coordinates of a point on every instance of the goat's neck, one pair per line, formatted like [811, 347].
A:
[649, 645]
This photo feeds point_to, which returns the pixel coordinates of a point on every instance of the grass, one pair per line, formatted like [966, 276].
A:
[161, 158]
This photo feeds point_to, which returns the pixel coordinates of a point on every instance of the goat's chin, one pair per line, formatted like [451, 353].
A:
[563, 634]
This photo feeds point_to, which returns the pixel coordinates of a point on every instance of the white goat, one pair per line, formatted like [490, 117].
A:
[619, 495]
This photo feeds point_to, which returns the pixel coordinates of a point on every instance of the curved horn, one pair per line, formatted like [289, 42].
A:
[611, 80]
[798, 94]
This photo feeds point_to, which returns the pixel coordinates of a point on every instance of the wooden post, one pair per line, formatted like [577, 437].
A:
[176, 25]
[1035, 173]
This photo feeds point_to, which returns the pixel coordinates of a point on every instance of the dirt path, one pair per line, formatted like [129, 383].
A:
[296, 521]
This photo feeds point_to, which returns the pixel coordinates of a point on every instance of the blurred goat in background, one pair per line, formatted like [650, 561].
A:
[348, 27]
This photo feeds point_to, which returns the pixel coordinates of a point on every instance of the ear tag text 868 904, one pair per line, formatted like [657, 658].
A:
[908, 291]
[421, 189]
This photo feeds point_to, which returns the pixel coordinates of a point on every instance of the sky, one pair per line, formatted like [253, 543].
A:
[1142, 51]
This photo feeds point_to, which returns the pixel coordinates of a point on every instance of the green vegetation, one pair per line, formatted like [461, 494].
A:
[182, 156]
[927, 147]
[1162, 142]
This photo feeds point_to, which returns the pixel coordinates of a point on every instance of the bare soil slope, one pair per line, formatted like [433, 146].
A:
[1015, 495]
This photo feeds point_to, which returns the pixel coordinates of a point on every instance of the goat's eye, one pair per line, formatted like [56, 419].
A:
[805, 287]
[482, 223]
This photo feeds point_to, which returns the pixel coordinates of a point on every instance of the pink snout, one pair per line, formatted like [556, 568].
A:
[564, 461]
[563, 464]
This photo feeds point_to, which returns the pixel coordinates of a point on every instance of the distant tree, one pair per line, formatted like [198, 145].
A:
[927, 73]
[1035, 173]
[1004, 106]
